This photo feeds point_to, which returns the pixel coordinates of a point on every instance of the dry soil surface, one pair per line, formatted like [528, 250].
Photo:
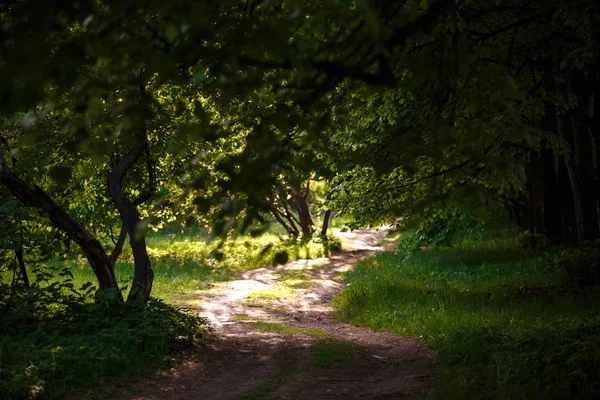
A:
[246, 360]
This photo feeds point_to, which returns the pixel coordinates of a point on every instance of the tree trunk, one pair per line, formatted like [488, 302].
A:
[583, 147]
[325, 225]
[300, 201]
[576, 201]
[34, 196]
[21, 262]
[143, 274]
[288, 225]
[114, 256]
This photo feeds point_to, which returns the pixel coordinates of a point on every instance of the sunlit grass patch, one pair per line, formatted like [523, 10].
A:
[504, 323]
[390, 241]
[298, 283]
[289, 330]
[244, 317]
[290, 280]
[255, 302]
[185, 265]
[277, 291]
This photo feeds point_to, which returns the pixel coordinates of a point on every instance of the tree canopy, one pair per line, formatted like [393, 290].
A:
[121, 116]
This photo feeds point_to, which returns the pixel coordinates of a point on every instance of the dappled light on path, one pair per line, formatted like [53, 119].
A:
[270, 326]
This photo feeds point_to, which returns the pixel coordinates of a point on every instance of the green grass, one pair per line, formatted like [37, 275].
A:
[185, 266]
[505, 323]
[244, 317]
[278, 291]
[86, 345]
[288, 330]
[48, 350]
[285, 289]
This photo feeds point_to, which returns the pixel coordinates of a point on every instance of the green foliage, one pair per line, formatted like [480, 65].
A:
[56, 339]
[403, 107]
[185, 265]
[439, 227]
[450, 226]
[553, 362]
[331, 245]
[506, 322]
[409, 243]
[528, 240]
[581, 265]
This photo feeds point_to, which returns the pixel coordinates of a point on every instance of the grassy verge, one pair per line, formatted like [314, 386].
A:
[53, 353]
[505, 323]
[288, 330]
[185, 266]
[54, 340]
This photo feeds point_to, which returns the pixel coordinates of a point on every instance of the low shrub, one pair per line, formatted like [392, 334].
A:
[55, 338]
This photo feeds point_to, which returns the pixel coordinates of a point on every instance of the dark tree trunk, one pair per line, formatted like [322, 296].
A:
[565, 133]
[300, 202]
[114, 256]
[325, 225]
[563, 199]
[583, 147]
[34, 196]
[143, 274]
[552, 198]
[22, 268]
[288, 224]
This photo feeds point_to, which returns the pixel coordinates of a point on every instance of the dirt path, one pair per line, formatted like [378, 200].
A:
[276, 337]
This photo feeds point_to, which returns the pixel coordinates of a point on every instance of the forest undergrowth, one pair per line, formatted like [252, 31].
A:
[507, 320]
[56, 338]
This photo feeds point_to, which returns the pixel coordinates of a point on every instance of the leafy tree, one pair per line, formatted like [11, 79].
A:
[408, 103]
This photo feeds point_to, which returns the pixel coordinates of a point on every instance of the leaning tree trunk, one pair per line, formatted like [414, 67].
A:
[325, 225]
[21, 263]
[143, 274]
[285, 219]
[34, 196]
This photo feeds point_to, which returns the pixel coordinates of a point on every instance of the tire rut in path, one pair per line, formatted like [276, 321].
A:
[242, 359]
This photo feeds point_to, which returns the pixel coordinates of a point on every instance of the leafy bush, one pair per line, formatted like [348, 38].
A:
[552, 363]
[528, 240]
[452, 226]
[580, 265]
[409, 243]
[55, 338]
[331, 244]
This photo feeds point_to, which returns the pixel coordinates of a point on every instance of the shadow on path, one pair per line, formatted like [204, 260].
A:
[244, 361]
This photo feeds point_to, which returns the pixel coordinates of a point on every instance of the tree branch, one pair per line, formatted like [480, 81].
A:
[488, 35]
[143, 274]
[424, 22]
[34, 196]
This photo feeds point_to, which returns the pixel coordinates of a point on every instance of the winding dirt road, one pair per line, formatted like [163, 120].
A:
[272, 326]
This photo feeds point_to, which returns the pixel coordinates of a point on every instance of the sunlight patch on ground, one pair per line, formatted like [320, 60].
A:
[289, 330]
[360, 239]
[274, 292]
